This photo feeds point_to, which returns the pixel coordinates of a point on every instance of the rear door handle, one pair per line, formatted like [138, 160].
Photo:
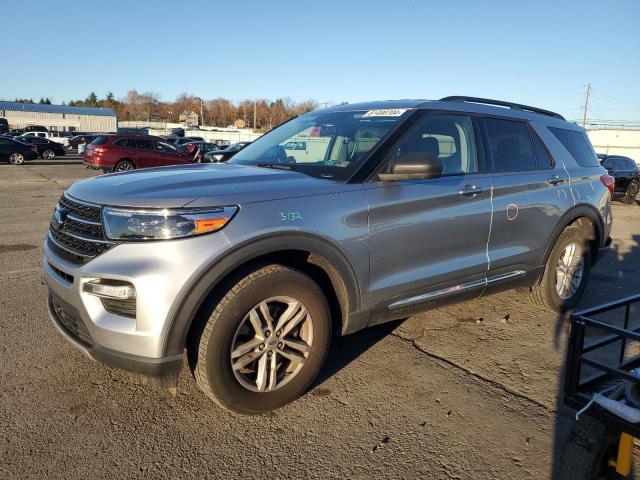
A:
[469, 190]
[555, 180]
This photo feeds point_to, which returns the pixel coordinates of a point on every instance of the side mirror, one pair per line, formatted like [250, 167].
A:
[413, 166]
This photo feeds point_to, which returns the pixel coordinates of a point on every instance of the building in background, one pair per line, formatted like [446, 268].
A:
[189, 118]
[59, 117]
[616, 141]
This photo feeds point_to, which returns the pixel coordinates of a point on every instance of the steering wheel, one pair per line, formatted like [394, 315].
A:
[280, 156]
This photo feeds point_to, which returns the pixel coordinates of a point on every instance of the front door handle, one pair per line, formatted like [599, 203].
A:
[555, 180]
[469, 190]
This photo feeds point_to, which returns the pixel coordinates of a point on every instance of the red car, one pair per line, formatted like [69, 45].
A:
[119, 153]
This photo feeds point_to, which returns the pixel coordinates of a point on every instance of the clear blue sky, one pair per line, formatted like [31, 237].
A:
[538, 52]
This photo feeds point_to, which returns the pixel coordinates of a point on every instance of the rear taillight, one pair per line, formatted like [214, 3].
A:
[609, 182]
[100, 150]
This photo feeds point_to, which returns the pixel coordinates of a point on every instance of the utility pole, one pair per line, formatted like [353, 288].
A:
[254, 116]
[586, 106]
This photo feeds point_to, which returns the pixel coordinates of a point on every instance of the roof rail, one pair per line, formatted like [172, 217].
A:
[511, 105]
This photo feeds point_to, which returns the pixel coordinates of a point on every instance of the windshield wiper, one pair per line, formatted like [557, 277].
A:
[277, 166]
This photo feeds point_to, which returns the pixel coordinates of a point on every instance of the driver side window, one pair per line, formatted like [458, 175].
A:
[448, 137]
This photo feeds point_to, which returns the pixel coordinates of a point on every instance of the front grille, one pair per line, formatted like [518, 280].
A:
[63, 275]
[69, 320]
[90, 212]
[79, 236]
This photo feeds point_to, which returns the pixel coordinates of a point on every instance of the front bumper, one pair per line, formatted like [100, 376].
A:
[161, 273]
[69, 323]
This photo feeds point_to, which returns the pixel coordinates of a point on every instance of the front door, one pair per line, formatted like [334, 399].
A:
[429, 237]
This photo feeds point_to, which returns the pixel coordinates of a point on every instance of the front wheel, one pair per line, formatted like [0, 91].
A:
[16, 159]
[566, 272]
[265, 341]
[48, 154]
[631, 193]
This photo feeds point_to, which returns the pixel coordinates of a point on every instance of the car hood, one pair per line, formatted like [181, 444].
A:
[200, 185]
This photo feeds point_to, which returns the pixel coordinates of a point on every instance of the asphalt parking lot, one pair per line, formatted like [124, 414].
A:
[467, 391]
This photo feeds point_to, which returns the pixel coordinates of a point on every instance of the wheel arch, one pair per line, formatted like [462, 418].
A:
[585, 217]
[125, 159]
[316, 257]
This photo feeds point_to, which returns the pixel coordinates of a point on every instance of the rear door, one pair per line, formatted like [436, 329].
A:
[530, 194]
[146, 155]
[428, 237]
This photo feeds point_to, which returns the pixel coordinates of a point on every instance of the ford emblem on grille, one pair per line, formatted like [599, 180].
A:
[59, 217]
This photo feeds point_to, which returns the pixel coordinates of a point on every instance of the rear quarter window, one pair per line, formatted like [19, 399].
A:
[101, 140]
[126, 143]
[578, 145]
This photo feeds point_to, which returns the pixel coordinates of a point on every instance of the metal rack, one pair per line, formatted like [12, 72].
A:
[579, 391]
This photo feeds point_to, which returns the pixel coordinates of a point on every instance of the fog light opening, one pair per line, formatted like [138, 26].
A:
[114, 289]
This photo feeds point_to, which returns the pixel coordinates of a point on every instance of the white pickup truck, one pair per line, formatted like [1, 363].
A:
[53, 136]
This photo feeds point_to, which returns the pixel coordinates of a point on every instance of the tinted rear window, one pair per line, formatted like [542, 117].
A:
[126, 143]
[101, 140]
[144, 144]
[621, 163]
[510, 145]
[578, 145]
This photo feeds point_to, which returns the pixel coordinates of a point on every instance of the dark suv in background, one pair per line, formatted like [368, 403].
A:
[128, 152]
[626, 173]
[390, 208]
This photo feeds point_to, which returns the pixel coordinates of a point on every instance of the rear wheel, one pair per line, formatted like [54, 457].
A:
[265, 341]
[566, 272]
[632, 193]
[16, 159]
[48, 154]
[124, 165]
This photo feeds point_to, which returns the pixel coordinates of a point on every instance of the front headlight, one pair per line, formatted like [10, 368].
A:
[126, 224]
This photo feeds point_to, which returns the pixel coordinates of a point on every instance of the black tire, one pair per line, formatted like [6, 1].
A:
[631, 193]
[588, 448]
[48, 154]
[213, 370]
[16, 158]
[124, 166]
[545, 295]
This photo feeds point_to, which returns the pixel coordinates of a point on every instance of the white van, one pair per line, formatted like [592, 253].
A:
[53, 136]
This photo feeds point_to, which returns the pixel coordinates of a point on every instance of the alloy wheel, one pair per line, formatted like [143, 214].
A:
[271, 344]
[16, 159]
[569, 271]
[123, 167]
[48, 155]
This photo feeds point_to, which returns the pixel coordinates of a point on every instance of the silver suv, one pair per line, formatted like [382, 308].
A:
[380, 211]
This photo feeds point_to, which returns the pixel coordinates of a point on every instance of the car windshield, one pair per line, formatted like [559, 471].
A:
[325, 144]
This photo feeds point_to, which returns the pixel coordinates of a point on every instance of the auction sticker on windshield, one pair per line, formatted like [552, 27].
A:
[388, 112]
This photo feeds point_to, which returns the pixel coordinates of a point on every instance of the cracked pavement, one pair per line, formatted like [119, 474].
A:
[463, 392]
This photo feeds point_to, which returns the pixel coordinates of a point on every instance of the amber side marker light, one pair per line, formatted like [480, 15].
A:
[210, 224]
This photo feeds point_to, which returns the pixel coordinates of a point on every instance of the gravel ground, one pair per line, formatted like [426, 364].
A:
[468, 391]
